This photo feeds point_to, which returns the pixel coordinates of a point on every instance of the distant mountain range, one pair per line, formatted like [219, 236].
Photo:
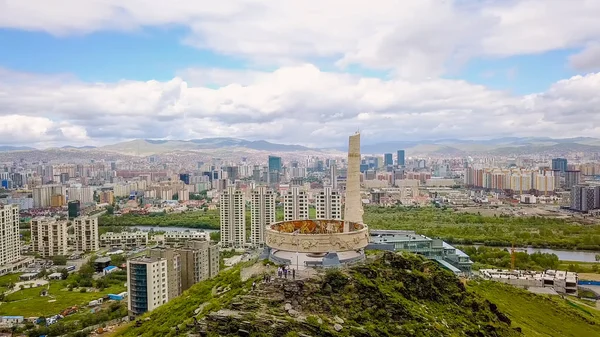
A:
[499, 146]
[450, 147]
[149, 146]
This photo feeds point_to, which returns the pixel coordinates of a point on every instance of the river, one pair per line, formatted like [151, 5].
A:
[171, 229]
[564, 255]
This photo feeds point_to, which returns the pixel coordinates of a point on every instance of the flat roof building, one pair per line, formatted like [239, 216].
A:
[86, 234]
[49, 236]
[446, 255]
[147, 284]
[10, 242]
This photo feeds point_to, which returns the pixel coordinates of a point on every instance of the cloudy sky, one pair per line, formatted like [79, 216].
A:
[309, 72]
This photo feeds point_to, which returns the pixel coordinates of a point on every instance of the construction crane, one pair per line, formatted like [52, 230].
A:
[513, 257]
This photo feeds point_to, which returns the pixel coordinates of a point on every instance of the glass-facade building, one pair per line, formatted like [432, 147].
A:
[446, 255]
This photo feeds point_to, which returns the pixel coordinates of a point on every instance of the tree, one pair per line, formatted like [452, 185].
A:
[117, 259]
[597, 257]
[64, 273]
[59, 260]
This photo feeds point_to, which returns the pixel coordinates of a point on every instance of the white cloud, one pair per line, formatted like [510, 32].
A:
[296, 104]
[588, 59]
[413, 38]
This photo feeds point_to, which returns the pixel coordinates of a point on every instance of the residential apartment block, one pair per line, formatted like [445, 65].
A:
[199, 262]
[49, 196]
[328, 204]
[518, 180]
[262, 214]
[295, 204]
[49, 236]
[173, 269]
[233, 218]
[10, 245]
[86, 234]
[124, 239]
[147, 284]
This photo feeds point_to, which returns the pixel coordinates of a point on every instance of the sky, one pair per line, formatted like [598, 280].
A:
[95, 72]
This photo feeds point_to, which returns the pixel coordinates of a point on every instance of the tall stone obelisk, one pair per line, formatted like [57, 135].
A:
[353, 210]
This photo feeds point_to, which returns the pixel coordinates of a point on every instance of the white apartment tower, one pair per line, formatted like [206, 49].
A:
[295, 204]
[147, 284]
[10, 245]
[86, 234]
[233, 218]
[329, 204]
[262, 214]
[49, 236]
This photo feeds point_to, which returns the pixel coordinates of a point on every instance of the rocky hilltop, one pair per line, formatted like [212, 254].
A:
[390, 295]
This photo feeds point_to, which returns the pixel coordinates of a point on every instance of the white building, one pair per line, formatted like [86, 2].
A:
[295, 204]
[262, 214]
[147, 284]
[49, 236]
[124, 239]
[86, 234]
[24, 203]
[85, 195]
[328, 204]
[42, 196]
[233, 218]
[10, 244]
[176, 236]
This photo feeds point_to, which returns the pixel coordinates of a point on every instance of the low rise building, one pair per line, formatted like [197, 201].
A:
[124, 239]
[562, 282]
[446, 255]
[176, 237]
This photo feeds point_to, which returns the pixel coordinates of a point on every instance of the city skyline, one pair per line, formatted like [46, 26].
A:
[107, 72]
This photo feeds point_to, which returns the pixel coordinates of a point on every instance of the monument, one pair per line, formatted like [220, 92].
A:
[353, 210]
[324, 242]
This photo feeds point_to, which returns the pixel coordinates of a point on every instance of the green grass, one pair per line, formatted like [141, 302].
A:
[28, 303]
[467, 229]
[541, 315]
[6, 279]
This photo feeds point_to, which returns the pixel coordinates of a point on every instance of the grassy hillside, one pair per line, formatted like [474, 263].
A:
[393, 295]
[541, 315]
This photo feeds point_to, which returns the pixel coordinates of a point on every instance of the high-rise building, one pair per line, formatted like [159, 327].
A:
[275, 164]
[173, 269]
[199, 262]
[74, 209]
[262, 214]
[49, 236]
[585, 198]
[559, 164]
[333, 175]
[572, 178]
[353, 210]
[147, 284]
[295, 204]
[329, 204]
[233, 218]
[107, 197]
[10, 244]
[400, 158]
[84, 195]
[42, 195]
[86, 234]
[185, 177]
[388, 159]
